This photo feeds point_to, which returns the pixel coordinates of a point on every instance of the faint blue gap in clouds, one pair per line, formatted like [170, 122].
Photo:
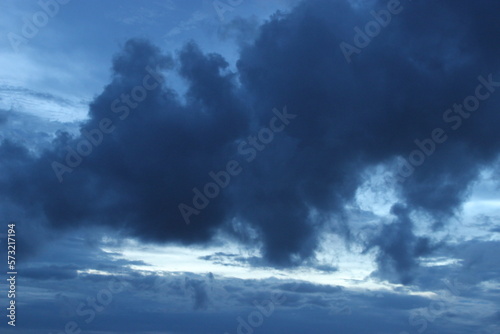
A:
[41, 104]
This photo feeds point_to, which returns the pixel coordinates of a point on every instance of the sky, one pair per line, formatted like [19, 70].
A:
[250, 166]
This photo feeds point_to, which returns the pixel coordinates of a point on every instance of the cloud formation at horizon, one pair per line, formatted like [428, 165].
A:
[145, 150]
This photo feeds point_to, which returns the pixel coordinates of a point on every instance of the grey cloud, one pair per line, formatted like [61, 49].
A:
[349, 117]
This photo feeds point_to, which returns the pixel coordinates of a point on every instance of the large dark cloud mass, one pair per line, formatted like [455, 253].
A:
[347, 117]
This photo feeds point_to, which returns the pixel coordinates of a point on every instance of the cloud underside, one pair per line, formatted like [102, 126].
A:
[349, 117]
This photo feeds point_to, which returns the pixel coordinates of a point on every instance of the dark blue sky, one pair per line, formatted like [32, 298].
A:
[251, 166]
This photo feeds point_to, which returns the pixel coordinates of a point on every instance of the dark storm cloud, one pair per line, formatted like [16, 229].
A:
[399, 248]
[348, 117]
[371, 111]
